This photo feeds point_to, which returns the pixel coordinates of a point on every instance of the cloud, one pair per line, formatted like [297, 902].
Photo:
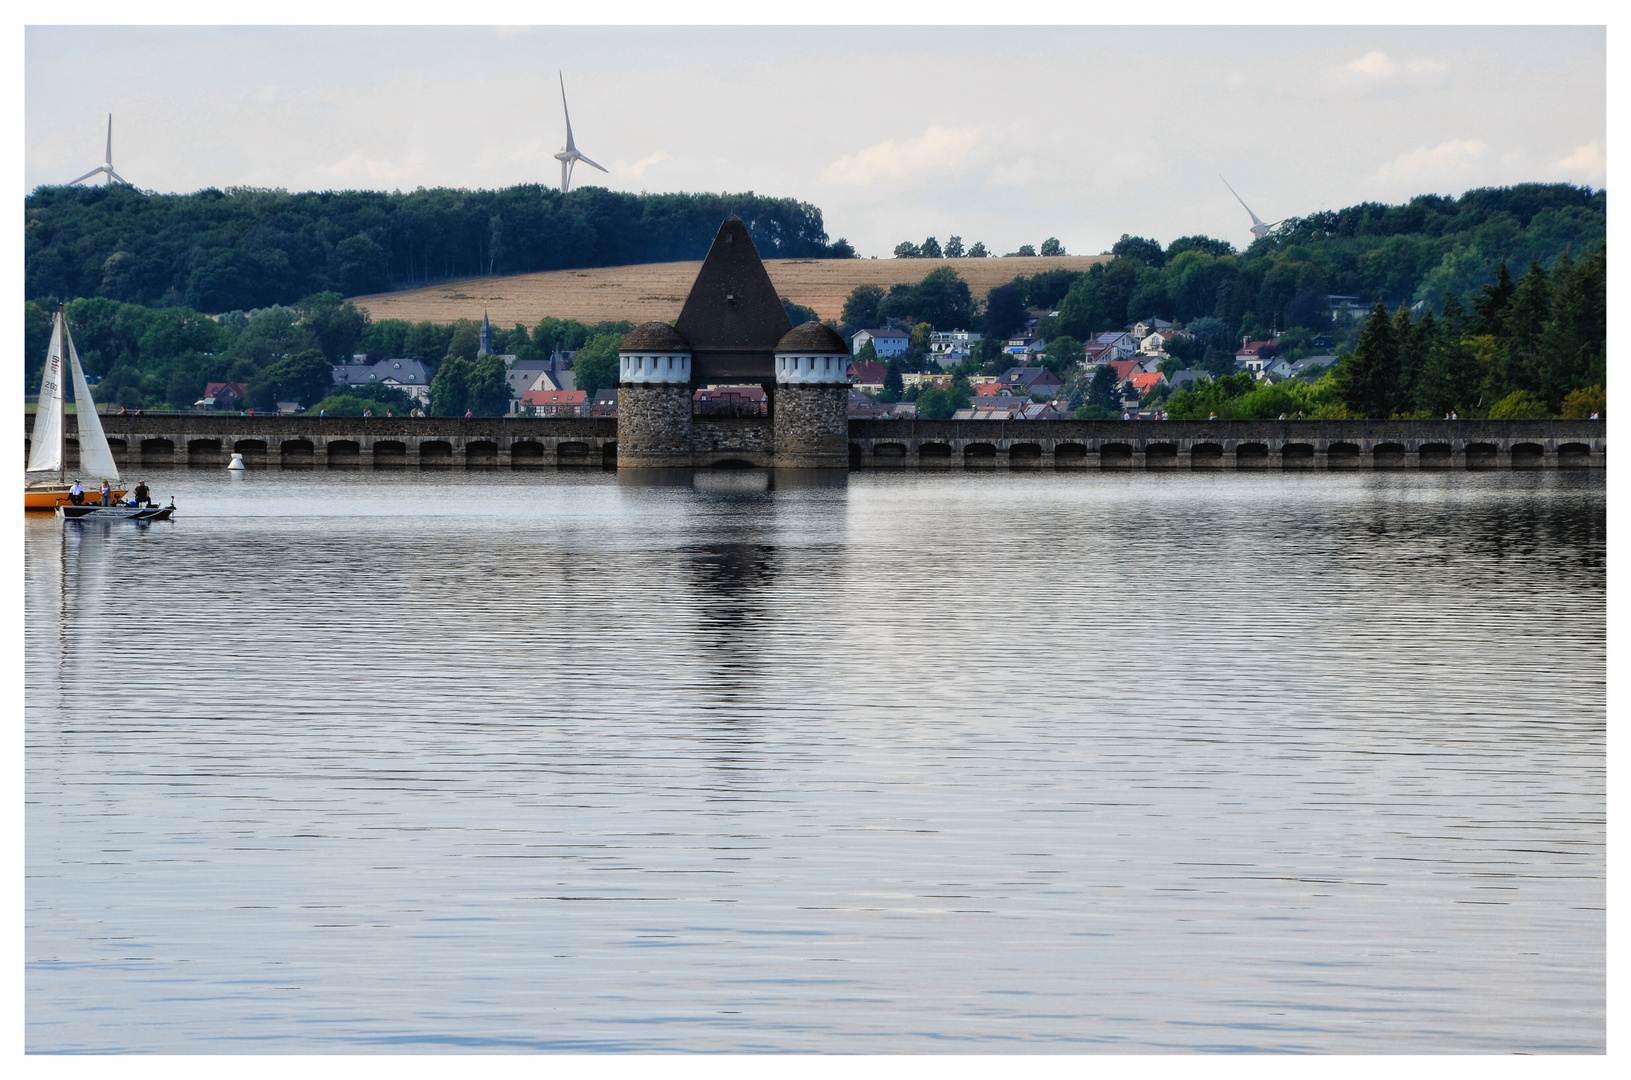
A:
[639, 168]
[356, 169]
[938, 147]
[1444, 156]
[1374, 64]
[1587, 163]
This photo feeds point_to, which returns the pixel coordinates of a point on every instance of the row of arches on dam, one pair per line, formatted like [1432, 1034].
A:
[1222, 454]
[308, 452]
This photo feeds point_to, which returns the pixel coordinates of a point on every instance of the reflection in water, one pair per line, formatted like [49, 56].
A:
[554, 761]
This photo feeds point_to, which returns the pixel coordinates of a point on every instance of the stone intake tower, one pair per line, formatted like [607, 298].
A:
[733, 330]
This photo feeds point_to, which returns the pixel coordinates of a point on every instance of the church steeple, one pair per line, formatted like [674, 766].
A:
[486, 336]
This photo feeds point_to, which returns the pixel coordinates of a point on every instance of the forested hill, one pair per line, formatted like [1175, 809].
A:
[1419, 251]
[246, 248]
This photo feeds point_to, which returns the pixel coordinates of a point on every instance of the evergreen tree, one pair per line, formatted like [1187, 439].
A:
[1521, 325]
[1102, 391]
[930, 249]
[1450, 371]
[1490, 307]
[1415, 338]
[1368, 381]
[893, 384]
[1573, 346]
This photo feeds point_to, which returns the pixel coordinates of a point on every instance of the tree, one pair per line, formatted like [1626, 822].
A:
[339, 325]
[1063, 354]
[1026, 250]
[930, 249]
[450, 389]
[893, 384]
[867, 351]
[1145, 251]
[1204, 244]
[977, 251]
[906, 250]
[1585, 403]
[595, 367]
[954, 250]
[1518, 405]
[942, 298]
[487, 390]
[861, 309]
[1101, 392]
[466, 340]
[36, 341]
[1573, 347]
[361, 265]
[305, 377]
[939, 403]
[1368, 381]
[1004, 311]
[1052, 246]
[1489, 308]
[798, 314]
[918, 343]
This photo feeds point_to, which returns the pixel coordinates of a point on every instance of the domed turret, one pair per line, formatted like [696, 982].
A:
[654, 353]
[812, 354]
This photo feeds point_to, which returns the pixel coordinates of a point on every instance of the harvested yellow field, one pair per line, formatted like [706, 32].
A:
[658, 290]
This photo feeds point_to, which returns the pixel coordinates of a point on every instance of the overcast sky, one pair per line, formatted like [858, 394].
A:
[1002, 135]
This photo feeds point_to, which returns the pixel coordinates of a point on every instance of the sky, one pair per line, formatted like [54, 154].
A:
[1008, 135]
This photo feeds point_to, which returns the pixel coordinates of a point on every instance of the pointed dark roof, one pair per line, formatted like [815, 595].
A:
[733, 317]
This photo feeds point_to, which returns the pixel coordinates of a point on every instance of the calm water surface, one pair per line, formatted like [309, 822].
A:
[401, 761]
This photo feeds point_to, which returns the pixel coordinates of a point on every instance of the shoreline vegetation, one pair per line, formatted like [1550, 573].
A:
[1449, 327]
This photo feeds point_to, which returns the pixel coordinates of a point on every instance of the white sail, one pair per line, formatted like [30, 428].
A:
[45, 453]
[95, 458]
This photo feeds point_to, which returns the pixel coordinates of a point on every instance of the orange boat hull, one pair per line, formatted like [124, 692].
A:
[47, 497]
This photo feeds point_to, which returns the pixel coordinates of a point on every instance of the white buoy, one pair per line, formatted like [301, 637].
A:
[237, 463]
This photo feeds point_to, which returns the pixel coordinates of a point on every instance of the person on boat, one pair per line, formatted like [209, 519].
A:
[76, 494]
[107, 494]
[141, 496]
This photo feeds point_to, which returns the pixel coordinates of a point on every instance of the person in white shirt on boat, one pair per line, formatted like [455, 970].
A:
[107, 494]
[76, 494]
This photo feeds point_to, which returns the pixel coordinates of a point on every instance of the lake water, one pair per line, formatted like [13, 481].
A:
[419, 762]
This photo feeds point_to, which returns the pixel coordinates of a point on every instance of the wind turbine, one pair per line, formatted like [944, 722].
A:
[1260, 228]
[107, 165]
[570, 155]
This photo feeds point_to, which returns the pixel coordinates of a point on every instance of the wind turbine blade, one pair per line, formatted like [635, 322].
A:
[1255, 219]
[87, 176]
[602, 168]
[119, 178]
[567, 112]
[109, 159]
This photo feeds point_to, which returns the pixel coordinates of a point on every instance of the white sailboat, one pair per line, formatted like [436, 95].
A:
[46, 485]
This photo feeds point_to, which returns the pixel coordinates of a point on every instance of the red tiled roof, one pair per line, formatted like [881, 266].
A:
[1123, 368]
[554, 397]
[1144, 380]
[866, 371]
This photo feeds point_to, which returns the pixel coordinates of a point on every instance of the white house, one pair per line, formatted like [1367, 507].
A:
[409, 376]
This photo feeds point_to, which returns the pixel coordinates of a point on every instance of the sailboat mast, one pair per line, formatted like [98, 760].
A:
[62, 424]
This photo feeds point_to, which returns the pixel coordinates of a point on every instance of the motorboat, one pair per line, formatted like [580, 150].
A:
[98, 512]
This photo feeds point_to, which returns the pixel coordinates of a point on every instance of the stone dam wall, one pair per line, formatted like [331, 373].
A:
[205, 440]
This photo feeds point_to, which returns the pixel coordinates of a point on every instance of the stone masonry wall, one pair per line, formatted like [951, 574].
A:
[653, 427]
[812, 427]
